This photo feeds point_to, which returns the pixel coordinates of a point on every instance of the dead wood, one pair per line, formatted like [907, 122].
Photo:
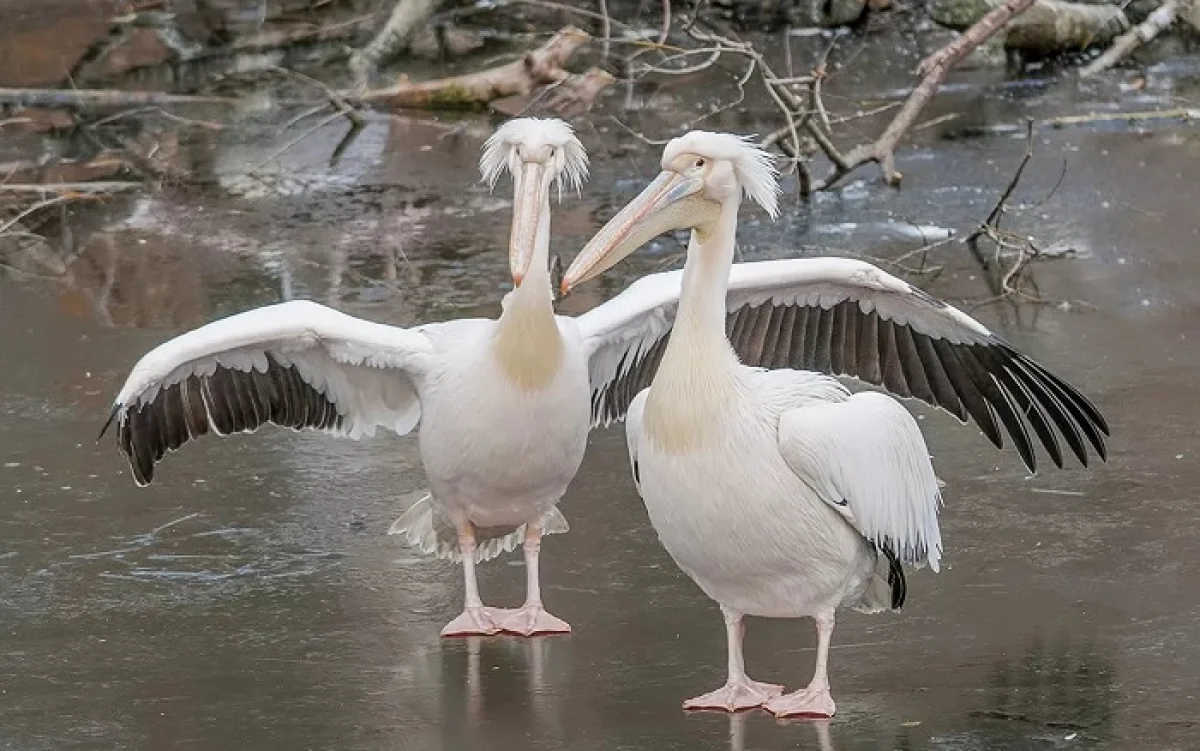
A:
[538, 67]
[1181, 113]
[572, 97]
[1052, 26]
[100, 98]
[933, 70]
[102, 166]
[38, 120]
[1013, 253]
[1190, 13]
[100, 186]
[406, 18]
[1134, 38]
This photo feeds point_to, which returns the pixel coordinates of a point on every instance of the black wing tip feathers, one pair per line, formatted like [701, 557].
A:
[116, 410]
[895, 578]
[223, 403]
[984, 380]
[1085, 413]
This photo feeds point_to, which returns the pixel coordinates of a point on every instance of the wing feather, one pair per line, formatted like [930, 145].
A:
[867, 459]
[298, 365]
[848, 318]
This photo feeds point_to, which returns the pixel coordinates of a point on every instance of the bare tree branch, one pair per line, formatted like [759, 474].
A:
[1125, 44]
[933, 71]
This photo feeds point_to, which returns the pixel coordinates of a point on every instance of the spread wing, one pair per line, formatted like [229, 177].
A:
[298, 365]
[846, 317]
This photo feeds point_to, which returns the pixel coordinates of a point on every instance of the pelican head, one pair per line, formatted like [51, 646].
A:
[538, 153]
[703, 174]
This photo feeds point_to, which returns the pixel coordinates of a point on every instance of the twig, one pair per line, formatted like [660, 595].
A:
[1182, 113]
[787, 51]
[638, 135]
[290, 144]
[818, 77]
[790, 80]
[602, 17]
[1008, 283]
[714, 54]
[864, 113]
[1062, 175]
[934, 121]
[933, 71]
[304, 115]
[785, 100]
[1125, 44]
[605, 29]
[993, 217]
[337, 100]
[153, 110]
[343, 107]
[44, 203]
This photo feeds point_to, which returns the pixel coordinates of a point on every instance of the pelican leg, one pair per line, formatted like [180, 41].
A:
[814, 700]
[739, 692]
[475, 620]
[531, 618]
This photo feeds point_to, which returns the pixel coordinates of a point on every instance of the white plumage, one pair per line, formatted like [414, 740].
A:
[777, 491]
[502, 404]
[865, 457]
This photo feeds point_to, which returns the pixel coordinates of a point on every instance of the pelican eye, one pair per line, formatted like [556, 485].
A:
[699, 163]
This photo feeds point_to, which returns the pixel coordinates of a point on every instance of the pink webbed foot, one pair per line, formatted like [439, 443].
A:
[736, 696]
[807, 702]
[531, 621]
[473, 622]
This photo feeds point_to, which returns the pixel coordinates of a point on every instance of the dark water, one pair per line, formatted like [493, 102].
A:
[250, 598]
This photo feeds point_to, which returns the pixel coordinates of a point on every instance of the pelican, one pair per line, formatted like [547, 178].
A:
[502, 404]
[779, 492]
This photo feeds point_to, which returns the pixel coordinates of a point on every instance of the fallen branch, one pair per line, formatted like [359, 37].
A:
[99, 186]
[406, 17]
[139, 111]
[1125, 44]
[336, 100]
[571, 97]
[933, 71]
[31, 172]
[102, 98]
[43, 204]
[538, 67]
[1049, 27]
[1181, 113]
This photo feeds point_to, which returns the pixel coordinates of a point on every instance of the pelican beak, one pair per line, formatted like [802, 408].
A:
[527, 209]
[665, 205]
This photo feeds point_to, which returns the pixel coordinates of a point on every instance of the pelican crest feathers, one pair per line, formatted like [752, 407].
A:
[501, 151]
[754, 167]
